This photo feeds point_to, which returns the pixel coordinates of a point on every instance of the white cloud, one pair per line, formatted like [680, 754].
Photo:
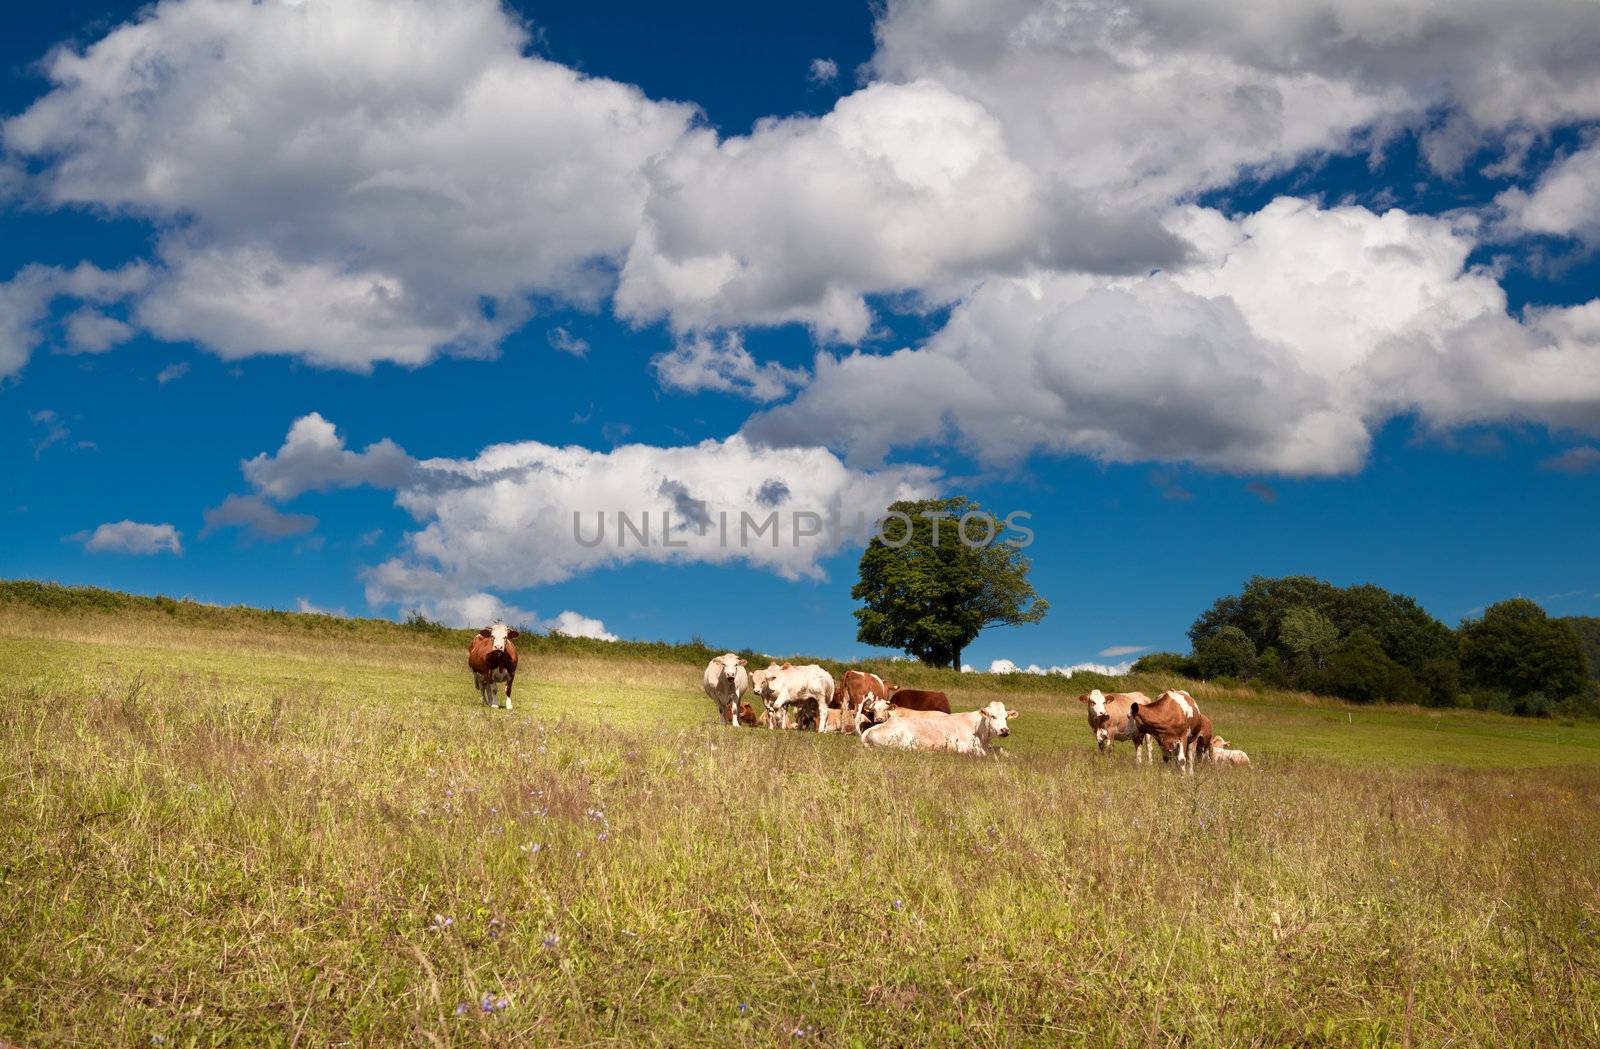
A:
[172, 372]
[1564, 202]
[1121, 650]
[1297, 332]
[1583, 459]
[257, 517]
[1006, 666]
[574, 625]
[704, 362]
[314, 458]
[1160, 98]
[26, 298]
[131, 537]
[347, 181]
[93, 331]
[305, 605]
[563, 340]
[55, 431]
[823, 71]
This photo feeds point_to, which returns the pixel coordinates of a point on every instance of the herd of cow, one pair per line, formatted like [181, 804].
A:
[885, 715]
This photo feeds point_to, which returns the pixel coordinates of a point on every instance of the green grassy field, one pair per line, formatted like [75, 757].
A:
[223, 827]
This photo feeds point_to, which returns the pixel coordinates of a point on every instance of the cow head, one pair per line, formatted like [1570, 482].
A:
[1097, 703]
[500, 633]
[728, 667]
[874, 709]
[992, 720]
[761, 682]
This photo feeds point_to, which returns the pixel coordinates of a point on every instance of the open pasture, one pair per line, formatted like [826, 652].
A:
[215, 834]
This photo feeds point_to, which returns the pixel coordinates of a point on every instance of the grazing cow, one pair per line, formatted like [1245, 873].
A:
[920, 699]
[1222, 753]
[970, 733]
[493, 659]
[726, 682]
[1173, 718]
[781, 687]
[1111, 723]
[859, 686]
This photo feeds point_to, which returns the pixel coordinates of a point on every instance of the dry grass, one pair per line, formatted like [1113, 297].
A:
[245, 838]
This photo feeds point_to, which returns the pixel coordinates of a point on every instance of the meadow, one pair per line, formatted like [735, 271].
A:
[226, 826]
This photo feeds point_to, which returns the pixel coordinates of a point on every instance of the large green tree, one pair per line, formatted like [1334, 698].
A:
[931, 598]
[1518, 649]
[1588, 630]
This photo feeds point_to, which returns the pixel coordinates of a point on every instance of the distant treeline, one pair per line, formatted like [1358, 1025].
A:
[1366, 644]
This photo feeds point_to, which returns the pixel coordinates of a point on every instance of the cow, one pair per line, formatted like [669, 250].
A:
[1201, 739]
[859, 686]
[726, 681]
[876, 710]
[919, 699]
[493, 659]
[1111, 723]
[969, 733]
[1222, 753]
[781, 687]
[747, 715]
[1172, 718]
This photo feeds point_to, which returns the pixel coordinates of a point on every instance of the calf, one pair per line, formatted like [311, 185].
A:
[493, 658]
[726, 681]
[970, 733]
[1172, 719]
[1200, 738]
[1223, 753]
[920, 699]
[1111, 722]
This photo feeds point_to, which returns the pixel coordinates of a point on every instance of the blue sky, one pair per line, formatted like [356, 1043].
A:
[1208, 301]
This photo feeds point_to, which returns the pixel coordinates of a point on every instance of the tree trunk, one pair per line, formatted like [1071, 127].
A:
[955, 663]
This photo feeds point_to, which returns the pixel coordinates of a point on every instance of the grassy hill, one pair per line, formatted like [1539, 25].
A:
[232, 826]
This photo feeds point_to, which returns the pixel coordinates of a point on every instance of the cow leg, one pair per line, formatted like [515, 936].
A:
[822, 715]
[733, 712]
[509, 679]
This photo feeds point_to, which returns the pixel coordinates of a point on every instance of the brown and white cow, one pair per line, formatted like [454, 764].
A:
[858, 686]
[726, 681]
[1173, 718]
[783, 686]
[493, 659]
[1201, 739]
[1111, 722]
[973, 732]
[919, 699]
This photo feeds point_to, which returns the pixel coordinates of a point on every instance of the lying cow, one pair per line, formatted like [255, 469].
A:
[1111, 722]
[781, 687]
[493, 658]
[1222, 753]
[858, 686]
[970, 733]
[1173, 718]
[919, 699]
[726, 681]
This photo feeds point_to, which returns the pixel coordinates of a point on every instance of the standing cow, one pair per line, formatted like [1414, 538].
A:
[726, 681]
[1174, 720]
[858, 686]
[781, 687]
[493, 659]
[1111, 722]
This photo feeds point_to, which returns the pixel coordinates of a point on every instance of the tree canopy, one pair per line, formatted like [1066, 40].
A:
[1516, 648]
[931, 597]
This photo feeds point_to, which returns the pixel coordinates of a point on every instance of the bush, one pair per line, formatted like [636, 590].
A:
[1516, 648]
[1165, 663]
[1360, 671]
[1226, 652]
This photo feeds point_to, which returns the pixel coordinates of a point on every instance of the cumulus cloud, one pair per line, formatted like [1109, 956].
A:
[1156, 99]
[574, 625]
[1295, 334]
[130, 537]
[1006, 666]
[313, 457]
[26, 300]
[823, 71]
[1564, 202]
[305, 605]
[350, 181]
[479, 609]
[702, 362]
[258, 518]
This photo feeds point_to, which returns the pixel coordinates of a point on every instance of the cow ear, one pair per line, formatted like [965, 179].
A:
[742, 662]
[512, 633]
[1133, 709]
[486, 632]
[1012, 715]
[1084, 698]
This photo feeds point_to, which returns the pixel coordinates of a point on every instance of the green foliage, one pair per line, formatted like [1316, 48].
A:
[1517, 649]
[1588, 630]
[1359, 670]
[933, 595]
[1225, 653]
[1165, 663]
[1296, 623]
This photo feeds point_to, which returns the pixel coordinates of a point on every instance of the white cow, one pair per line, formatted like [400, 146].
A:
[970, 733]
[726, 682]
[780, 687]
